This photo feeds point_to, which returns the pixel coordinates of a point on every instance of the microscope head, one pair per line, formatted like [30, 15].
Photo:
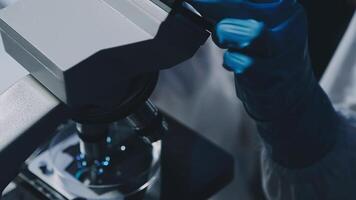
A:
[99, 57]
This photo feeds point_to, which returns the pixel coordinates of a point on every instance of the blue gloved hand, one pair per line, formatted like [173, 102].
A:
[267, 49]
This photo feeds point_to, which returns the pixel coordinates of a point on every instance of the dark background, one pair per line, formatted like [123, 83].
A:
[328, 20]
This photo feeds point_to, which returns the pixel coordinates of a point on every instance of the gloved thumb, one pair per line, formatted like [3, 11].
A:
[254, 39]
[244, 39]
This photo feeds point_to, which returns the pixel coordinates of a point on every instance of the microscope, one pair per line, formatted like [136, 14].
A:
[81, 125]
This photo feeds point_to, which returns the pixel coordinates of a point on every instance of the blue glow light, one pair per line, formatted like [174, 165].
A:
[108, 140]
[106, 163]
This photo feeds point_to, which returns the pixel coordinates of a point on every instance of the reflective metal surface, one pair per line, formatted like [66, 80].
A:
[28, 114]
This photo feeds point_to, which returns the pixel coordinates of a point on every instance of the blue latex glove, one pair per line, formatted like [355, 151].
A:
[266, 44]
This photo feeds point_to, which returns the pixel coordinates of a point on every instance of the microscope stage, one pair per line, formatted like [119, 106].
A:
[191, 168]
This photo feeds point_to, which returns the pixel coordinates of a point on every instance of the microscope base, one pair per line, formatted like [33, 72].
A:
[191, 168]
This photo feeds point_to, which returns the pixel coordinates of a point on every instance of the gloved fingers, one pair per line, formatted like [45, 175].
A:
[237, 62]
[248, 37]
[269, 11]
[236, 33]
[239, 37]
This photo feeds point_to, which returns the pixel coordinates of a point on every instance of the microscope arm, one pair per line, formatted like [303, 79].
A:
[28, 113]
[176, 41]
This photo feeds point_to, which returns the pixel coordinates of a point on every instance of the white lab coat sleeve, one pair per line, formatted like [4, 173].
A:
[331, 178]
[334, 176]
